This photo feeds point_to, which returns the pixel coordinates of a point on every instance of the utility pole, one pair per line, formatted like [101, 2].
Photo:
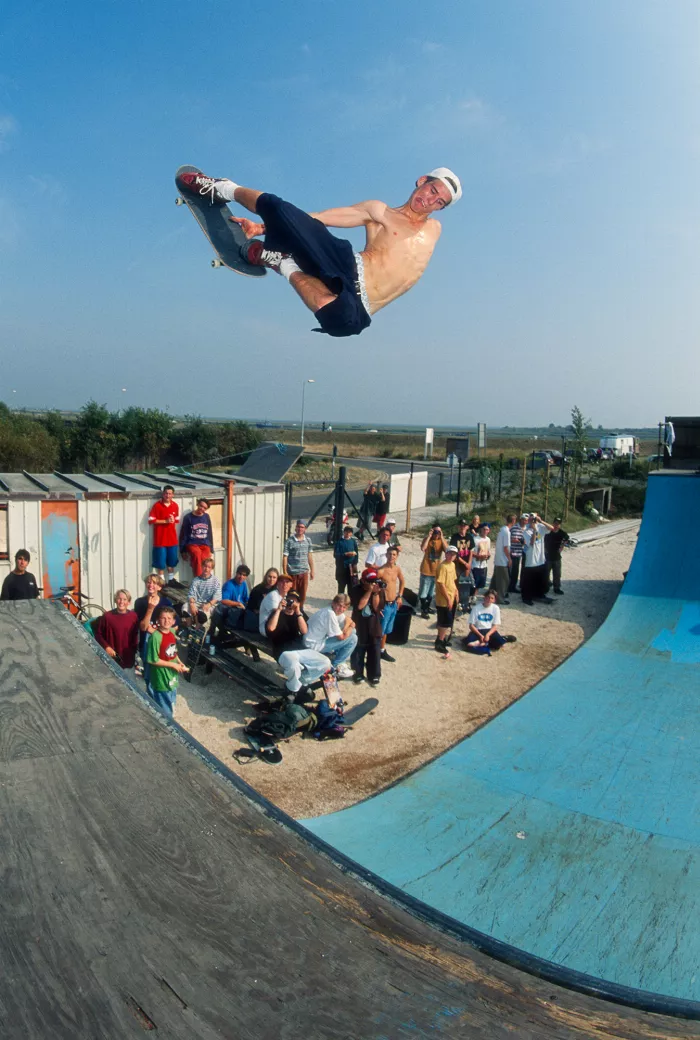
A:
[303, 391]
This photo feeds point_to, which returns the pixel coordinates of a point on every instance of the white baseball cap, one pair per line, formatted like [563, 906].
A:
[450, 180]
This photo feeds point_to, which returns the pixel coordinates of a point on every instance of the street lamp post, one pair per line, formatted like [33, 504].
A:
[303, 391]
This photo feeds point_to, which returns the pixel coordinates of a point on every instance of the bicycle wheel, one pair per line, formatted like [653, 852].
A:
[91, 611]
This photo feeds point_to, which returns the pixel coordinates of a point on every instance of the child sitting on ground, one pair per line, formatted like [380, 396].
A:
[164, 664]
[484, 637]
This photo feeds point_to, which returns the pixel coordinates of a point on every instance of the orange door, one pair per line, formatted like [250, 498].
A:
[59, 545]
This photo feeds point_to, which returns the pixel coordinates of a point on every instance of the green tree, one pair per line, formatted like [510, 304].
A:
[142, 436]
[25, 444]
[579, 428]
[93, 444]
[194, 441]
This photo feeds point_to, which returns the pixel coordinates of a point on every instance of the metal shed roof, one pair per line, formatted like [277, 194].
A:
[141, 485]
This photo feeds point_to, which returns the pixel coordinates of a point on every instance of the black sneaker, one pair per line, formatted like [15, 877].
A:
[387, 657]
[374, 682]
[505, 602]
[529, 602]
[511, 639]
[358, 679]
[546, 599]
[559, 592]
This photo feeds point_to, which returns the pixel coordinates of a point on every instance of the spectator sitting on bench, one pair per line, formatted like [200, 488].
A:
[331, 633]
[483, 636]
[272, 600]
[251, 618]
[286, 628]
[235, 594]
[204, 593]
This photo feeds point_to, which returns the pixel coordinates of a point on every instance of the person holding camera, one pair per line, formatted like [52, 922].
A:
[433, 547]
[286, 628]
[368, 601]
[534, 577]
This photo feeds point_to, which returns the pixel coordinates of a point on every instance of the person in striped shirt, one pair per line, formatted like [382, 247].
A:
[204, 593]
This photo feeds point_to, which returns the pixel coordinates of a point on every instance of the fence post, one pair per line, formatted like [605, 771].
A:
[339, 505]
[522, 488]
[409, 498]
[459, 485]
[229, 485]
[335, 452]
[546, 493]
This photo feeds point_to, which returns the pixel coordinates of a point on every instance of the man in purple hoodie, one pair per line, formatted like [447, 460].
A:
[196, 538]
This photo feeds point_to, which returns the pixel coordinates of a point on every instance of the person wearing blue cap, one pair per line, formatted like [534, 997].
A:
[344, 289]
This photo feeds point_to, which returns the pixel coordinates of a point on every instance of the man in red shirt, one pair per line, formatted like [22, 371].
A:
[164, 517]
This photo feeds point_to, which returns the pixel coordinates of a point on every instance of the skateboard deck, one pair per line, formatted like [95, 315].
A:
[225, 237]
[353, 715]
[267, 751]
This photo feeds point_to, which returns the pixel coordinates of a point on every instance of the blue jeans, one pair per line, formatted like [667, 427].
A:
[389, 617]
[229, 617]
[165, 699]
[341, 649]
[426, 587]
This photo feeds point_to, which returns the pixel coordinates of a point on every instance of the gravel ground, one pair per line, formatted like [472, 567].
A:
[426, 704]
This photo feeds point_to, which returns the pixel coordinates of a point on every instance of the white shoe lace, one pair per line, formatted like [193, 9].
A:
[271, 257]
[208, 187]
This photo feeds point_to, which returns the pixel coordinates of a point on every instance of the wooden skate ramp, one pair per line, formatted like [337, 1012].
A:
[147, 890]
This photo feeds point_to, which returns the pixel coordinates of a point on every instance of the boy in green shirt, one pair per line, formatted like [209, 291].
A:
[164, 664]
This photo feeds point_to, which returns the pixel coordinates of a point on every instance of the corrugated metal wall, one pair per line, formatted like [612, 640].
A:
[115, 539]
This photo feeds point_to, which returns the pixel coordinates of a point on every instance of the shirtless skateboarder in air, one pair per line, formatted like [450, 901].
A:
[343, 288]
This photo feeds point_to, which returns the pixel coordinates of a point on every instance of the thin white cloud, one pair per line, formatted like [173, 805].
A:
[8, 128]
[47, 187]
[573, 149]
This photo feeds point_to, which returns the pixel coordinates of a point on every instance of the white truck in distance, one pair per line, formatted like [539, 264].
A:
[620, 445]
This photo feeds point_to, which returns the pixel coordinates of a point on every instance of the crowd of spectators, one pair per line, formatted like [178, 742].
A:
[350, 634]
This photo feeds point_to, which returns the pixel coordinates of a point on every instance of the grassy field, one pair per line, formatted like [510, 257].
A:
[359, 444]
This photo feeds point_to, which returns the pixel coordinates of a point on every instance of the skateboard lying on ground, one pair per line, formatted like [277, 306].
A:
[351, 716]
[225, 237]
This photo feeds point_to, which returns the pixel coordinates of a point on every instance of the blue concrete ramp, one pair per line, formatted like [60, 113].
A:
[569, 826]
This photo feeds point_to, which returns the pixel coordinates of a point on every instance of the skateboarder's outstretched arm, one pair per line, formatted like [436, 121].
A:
[357, 215]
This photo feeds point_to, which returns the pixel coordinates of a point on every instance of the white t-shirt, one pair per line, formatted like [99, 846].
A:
[323, 625]
[482, 545]
[502, 542]
[376, 557]
[270, 602]
[484, 618]
[534, 545]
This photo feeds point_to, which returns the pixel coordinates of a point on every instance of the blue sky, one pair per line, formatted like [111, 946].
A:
[568, 274]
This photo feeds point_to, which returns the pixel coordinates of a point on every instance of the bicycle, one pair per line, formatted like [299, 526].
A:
[80, 607]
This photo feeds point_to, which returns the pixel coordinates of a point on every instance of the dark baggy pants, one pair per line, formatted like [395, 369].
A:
[515, 564]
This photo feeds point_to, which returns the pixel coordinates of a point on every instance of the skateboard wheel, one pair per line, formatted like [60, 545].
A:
[179, 201]
[217, 263]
